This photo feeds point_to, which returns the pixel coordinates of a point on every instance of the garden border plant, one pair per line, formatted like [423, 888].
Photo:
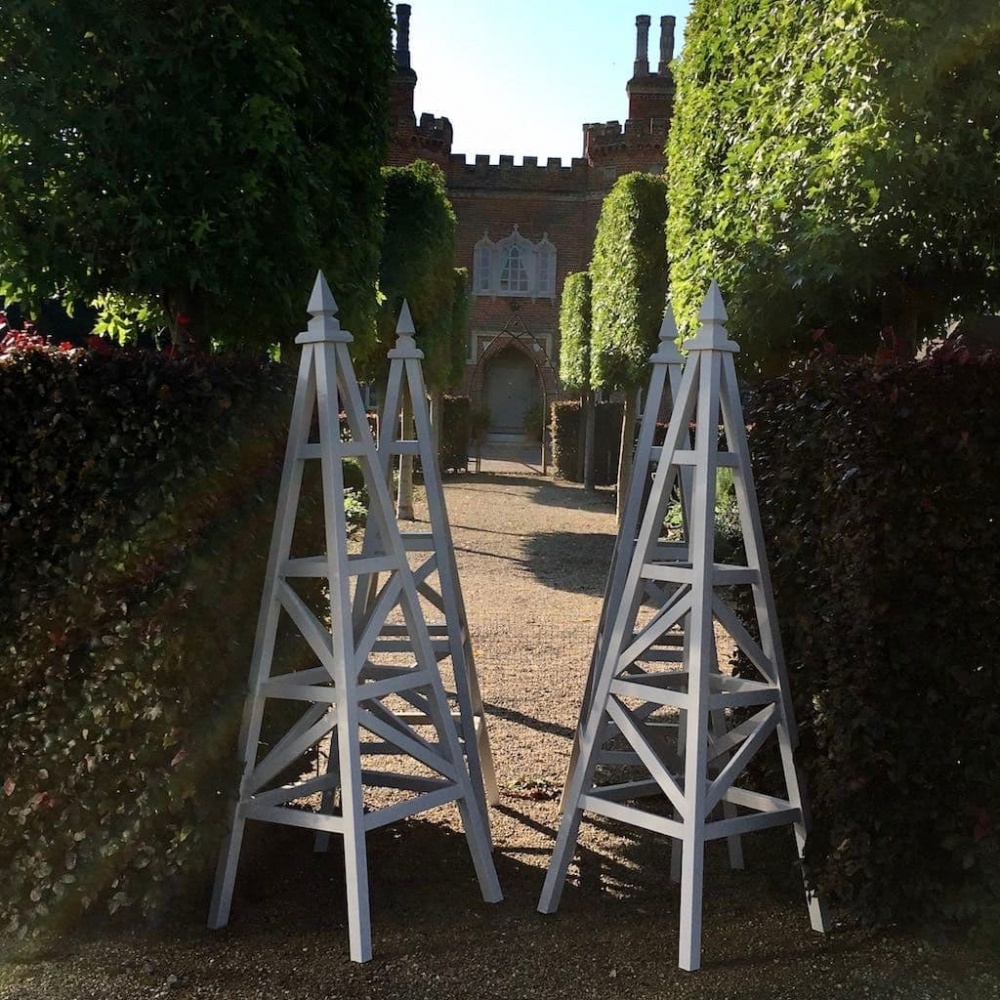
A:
[138, 497]
[877, 486]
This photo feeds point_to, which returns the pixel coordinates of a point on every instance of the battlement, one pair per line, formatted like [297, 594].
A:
[435, 129]
[552, 175]
[604, 140]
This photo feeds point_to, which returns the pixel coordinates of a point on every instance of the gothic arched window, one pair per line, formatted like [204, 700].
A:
[514, 266]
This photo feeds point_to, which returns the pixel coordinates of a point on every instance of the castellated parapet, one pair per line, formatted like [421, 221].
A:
[528, 176]
[636, 145]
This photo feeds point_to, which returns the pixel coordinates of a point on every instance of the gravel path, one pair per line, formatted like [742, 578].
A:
[532, 557]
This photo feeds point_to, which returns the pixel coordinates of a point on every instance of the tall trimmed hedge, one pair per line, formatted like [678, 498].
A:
[833, 163]
[137, 494]
[203, 158]
[574, 331]
[417, 264]
[628, 281]
[880, 504]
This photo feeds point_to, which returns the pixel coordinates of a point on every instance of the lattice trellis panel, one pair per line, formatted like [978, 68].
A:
[637, 679]
[355, 697]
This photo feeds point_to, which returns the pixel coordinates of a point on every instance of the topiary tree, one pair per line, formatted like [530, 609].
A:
[835, 164]
[629, 275]
[574, 358]
[197, 161]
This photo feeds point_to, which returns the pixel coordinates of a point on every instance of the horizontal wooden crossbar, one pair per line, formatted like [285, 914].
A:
[595, 802]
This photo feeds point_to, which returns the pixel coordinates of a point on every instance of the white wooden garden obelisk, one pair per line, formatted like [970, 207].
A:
[631, 675]
[436, 572]
[350, 696]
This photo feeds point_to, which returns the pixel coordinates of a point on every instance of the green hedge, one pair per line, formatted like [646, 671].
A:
[567, 441]
[456, 432]
[880, 504]
[137, 496]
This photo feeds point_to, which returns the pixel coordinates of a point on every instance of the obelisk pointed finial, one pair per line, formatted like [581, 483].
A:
[667, 352]
[712, 334]
[322, 308]
[406, 346]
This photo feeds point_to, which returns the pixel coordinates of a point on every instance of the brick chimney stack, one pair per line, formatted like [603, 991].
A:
[404, 80]
[667, 23]
[651, 95]
[403, 35]
[641, 67]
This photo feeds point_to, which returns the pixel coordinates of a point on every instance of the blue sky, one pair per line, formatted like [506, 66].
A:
[522, 76]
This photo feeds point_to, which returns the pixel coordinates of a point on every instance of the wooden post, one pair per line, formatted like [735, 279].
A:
[631, 673]
[350, 694]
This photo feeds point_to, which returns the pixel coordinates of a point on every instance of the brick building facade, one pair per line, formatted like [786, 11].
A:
[522, 229]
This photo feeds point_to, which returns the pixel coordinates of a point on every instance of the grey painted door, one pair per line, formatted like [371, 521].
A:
[511, 390]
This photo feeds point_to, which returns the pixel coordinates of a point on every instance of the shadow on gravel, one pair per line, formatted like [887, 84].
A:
[570, 561]
[510, 715]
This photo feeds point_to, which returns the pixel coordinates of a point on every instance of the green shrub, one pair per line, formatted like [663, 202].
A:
[456, 430]
[567, 441]
[138, 498]
[879, 501]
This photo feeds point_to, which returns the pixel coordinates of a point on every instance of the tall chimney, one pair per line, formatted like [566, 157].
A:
[667, 23]
[641, 45]
[403, 35]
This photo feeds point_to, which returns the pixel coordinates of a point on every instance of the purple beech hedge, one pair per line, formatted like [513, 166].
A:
[137, 496]
[879, 487]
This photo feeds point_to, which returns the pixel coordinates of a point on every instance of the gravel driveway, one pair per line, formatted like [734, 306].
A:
[532, 556]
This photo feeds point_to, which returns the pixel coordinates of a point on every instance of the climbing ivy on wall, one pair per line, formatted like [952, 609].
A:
[417, 264]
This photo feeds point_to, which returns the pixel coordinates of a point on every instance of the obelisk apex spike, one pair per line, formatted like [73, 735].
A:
[713, 309]
[406, 346]
[667, 352]
[321, 300]
[323, 323]
[404, 325]
[712, 334]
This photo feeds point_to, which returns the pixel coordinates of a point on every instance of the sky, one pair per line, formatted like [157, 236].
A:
[521, 77]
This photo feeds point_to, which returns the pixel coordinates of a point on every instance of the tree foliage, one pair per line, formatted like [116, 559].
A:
[835, 164]
[574, 331]
[629, 281]
[417, 264]
[207, 158]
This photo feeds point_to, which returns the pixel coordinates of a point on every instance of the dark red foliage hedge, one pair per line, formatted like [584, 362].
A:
[880, 498]
[136, 501]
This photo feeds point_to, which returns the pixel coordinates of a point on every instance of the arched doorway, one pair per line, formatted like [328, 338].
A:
[511, 390]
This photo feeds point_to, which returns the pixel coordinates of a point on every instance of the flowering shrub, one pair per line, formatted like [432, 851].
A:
[879, 500]
[137, 497]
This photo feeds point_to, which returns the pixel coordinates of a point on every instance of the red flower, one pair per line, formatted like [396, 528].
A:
[67, 346]
[183, 320]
